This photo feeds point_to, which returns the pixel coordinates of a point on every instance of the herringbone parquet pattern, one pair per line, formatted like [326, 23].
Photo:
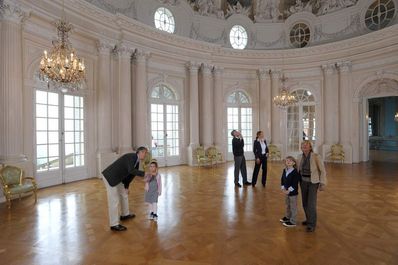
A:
[204, 219]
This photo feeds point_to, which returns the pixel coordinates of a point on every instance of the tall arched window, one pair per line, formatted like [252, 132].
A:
[240, 117]
[301, 123]
[164, 124]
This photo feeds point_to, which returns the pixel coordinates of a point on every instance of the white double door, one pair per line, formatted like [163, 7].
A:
[165, 134]
[60, 138]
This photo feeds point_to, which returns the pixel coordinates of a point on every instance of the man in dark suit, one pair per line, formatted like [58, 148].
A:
[239, 158]
[117, 178]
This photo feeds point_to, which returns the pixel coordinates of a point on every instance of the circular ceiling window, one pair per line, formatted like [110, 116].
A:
[300, 35]
[379, 14]
[164, 20]
[238, 37]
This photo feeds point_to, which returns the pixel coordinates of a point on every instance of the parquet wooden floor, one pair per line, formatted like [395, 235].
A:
[204, 219]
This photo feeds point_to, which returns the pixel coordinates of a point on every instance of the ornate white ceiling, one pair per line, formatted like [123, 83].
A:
[269, 23]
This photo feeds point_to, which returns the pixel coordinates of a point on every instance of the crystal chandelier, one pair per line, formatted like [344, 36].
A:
[284, 99]
[61, 68]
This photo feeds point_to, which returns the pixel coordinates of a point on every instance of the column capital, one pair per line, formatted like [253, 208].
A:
[275, 73]
[344, 66]
[12, 12]
[141, 55]
[123, 50]
[263, 73]
[193, 66]
[329, 68]
[105, 46]
[206, 68]
[218, 70]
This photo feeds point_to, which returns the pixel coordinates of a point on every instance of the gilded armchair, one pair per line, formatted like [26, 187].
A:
[201, 157]
[336, 153]
[213, 155]
[274, 153]
[13, 183]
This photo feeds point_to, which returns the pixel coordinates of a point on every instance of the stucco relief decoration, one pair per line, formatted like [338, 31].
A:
[123, 7]
[267, 11]
[238, 8]
[11, 11]
[170, 2]
[329, 6]
[207, 8]
[298, 7]
[195, 34]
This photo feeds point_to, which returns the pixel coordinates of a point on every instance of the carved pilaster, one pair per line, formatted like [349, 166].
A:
[141, 56]
[193, 66]
[105, 47]
[12, 12]
[218, 70]
[329, 68]
[206, 68]
[344, 66]
[263, 73]
[124, 50]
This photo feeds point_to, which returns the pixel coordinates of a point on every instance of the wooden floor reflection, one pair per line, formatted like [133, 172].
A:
[204, 219]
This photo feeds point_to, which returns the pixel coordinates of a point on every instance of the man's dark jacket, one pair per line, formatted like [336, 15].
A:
[124, 169]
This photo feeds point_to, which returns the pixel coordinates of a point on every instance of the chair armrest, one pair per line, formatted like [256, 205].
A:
[32, 179]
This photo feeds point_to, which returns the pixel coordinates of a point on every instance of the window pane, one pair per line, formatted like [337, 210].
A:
[42, 151]
[68, 101]
[53, 99]
[41, 124]
[53, 150]
[69, 137]
[53, 124]
[41, 110]
[41, 137]
[68, 113]
[53, 111]
[41, 97]
[53, 137]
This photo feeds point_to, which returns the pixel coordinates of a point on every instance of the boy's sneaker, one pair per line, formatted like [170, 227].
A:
[289, 224]
[155, 217]
[151, 216]
[284, 219]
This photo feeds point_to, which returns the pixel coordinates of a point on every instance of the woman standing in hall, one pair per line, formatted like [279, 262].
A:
[260, 150]
[313, 178]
